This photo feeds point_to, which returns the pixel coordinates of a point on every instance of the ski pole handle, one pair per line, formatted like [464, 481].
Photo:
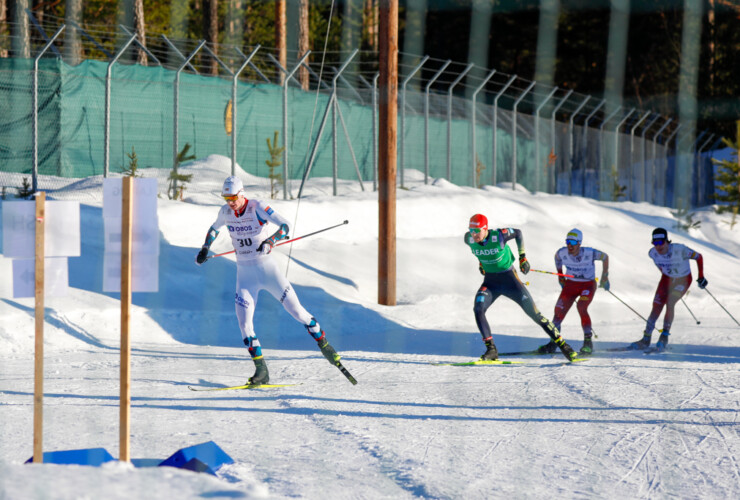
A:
[556, 274]
[290, 240]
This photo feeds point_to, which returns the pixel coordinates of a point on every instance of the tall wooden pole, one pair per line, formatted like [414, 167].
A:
[125, 399]
[281, 35]
[388, 104]
[38, 389]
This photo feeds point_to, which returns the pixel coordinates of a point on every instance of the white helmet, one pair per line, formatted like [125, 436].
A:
[575, 234]
[232, 186]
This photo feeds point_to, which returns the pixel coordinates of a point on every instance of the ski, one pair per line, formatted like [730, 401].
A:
[480, 363]
[525, 353]
[345, 372]
[654, 350]
[235, 387]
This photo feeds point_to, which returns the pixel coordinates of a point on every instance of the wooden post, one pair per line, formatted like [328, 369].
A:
[125, 399]
[388, 104]
[38, 389]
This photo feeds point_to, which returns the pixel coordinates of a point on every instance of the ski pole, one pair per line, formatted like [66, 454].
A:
[623, 302]
[290, 240]
[692, 314]
[556, 274]
[723, 307]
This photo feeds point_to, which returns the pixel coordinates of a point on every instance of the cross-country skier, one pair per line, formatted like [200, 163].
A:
[495, 261]
[673, 261]
[247, 222]
[579, 262]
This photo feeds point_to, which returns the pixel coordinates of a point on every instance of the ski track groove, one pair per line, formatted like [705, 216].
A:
[385, 465]
[727, 447]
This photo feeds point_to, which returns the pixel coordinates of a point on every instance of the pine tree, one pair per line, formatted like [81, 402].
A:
[276, 159]
[133, 164]
[728, 181]
[177, 180]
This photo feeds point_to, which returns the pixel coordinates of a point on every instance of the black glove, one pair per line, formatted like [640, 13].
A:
[202, 256]
[702, 282]
[523, 264]
[265, 247]
[480, 268]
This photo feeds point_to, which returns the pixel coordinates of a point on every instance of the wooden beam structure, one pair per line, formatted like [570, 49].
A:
[126, 254]
[38, 386]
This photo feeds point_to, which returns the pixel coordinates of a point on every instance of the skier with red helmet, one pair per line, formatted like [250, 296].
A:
[495, 262]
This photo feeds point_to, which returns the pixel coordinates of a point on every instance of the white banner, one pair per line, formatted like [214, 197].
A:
[61, 234]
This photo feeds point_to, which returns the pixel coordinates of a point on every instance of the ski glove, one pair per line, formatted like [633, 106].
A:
[605, 283]
[523, 264]
[265, 247]
[702, 282]
[480, 268]
[202, 255]
[561, 280]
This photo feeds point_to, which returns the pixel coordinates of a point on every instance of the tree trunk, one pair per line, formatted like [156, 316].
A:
[303, 41]
[141, 57]
[3, 26]
[20, 42]
[210, 32]
[370, 23]
[38, 10]
[72, 42]
[280, 35]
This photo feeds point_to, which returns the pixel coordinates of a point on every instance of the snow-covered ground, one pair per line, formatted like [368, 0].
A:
[621, 425]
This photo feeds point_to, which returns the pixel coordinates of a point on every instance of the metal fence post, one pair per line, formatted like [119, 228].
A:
[667, 152]
[402, 133]
[585, 141]
[616, 139]
[449, 117]
[513, 134]
[553, 188]
[632, 154]
[35, 111]
[644, 157]
[176, 105]
[655, 154]
[106, 151]
[286, 81]
[495, 126]
[234, 106]
[602, 152]
[571, 152]
[335, 166]
[537, 137]
[426, 118]
[473, 140]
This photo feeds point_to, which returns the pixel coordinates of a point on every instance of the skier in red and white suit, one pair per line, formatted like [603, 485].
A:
[673, 261]
[247, 223]
[579, 262]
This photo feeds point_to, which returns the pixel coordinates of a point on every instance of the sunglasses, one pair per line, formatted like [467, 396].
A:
[658, 243]
[231, 198]
[475, 230]
[571, 242]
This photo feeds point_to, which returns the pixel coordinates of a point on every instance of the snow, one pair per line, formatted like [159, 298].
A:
[621, 425]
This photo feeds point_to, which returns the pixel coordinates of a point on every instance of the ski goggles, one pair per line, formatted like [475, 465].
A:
[475, 230]
[659, 242]
[571, 242]
[231, 198]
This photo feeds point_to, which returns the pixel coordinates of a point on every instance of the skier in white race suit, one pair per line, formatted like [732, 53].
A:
[247, 222]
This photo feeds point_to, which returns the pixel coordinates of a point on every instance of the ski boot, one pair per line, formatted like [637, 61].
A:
[548, 348]
[588, 347]
[641, 344]
[261, 376]
[328, 351]
[491, 353]
[567, 350]
[662, 342]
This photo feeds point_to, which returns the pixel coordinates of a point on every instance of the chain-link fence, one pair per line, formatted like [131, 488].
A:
[61, 122]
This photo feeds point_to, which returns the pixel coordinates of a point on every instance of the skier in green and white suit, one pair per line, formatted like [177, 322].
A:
[495, 262]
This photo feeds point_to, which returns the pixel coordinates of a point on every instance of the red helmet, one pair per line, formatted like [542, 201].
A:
[478, 221]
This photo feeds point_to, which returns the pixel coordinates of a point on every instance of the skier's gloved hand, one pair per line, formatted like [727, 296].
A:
[605, 283]
[523, 264]
[561, 280]
[202, 255]
[480, 268]
[702, 282]
[265, 247]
